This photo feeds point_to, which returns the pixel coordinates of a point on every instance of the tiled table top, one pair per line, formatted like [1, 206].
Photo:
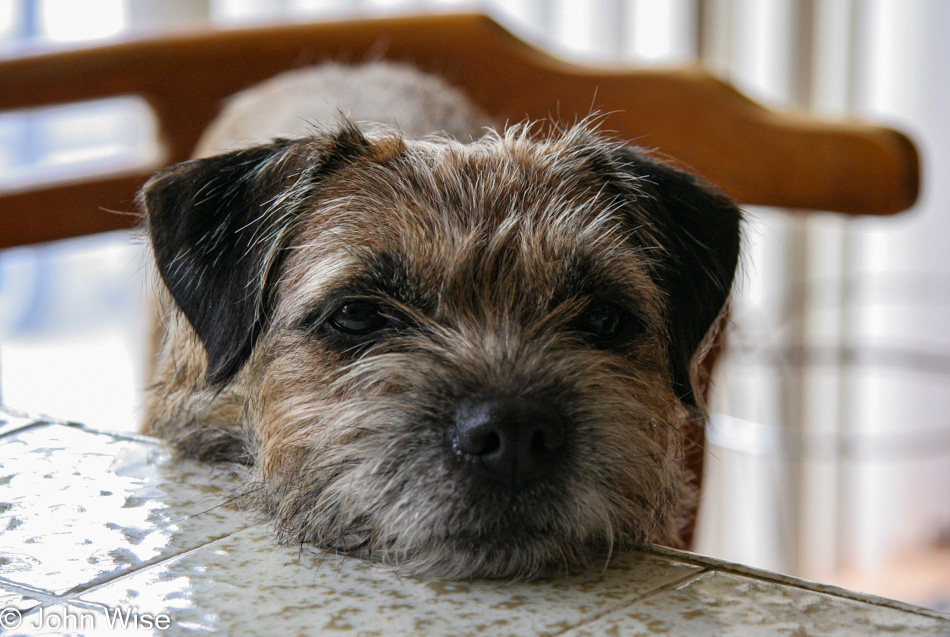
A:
[106, 533]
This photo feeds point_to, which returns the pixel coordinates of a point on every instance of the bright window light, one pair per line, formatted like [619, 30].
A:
[7, 18]
[661, 32]
[71, 21]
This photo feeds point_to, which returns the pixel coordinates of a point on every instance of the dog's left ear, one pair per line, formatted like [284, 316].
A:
[696, 230]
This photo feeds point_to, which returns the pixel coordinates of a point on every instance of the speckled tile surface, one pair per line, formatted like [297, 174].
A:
[77, 507]
[726, 604]
[295, 591]
[110, 534]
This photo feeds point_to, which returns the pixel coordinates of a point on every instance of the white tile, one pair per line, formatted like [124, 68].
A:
[78, 507]
[726, 604]
[246, 583]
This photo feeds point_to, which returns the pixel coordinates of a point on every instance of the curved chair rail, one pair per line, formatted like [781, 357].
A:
[759, 156]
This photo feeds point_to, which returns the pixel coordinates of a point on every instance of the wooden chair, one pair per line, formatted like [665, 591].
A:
[757, 155]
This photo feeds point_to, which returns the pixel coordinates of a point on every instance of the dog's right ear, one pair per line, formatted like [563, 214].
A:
[213, 235]
[218, 228]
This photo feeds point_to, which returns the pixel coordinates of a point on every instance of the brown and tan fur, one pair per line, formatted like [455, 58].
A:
[482, 258]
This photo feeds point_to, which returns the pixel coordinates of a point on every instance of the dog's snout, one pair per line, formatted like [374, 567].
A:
[511, 439]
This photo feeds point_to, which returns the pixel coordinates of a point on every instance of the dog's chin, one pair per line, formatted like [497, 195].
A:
[525, 557]
[523, 541]
[518, 554]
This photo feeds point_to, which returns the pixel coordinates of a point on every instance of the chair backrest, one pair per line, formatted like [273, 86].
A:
[757, 155]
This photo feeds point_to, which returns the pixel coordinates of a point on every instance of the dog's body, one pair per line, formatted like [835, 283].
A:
[468, 359]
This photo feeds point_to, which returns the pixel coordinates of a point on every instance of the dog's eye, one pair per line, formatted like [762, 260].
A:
[604, 321]
[358, 317]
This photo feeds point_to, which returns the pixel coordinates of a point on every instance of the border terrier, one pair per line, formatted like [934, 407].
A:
[462, 352]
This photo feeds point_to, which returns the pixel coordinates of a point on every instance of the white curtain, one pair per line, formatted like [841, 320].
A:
[834, 446]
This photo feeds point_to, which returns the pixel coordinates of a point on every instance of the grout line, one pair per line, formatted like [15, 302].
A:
[22, 428]
[93, 585]
[36, 424]
[677, 583]
[724, 566]
[40, 595]
[120, 435]
[10, 412]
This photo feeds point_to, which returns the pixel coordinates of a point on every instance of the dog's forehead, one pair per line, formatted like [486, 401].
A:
[439, 214]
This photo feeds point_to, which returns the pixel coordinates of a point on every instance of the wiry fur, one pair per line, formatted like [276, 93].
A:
[487, 252]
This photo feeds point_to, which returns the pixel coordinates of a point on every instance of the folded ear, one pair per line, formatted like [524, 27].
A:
[218, 228]
[697, 231]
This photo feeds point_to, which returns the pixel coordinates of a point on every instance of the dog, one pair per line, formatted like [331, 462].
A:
[458, 351]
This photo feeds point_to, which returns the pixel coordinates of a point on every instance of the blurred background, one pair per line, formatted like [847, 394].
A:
[829, 449]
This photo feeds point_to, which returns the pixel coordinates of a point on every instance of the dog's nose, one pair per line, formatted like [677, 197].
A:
[510, 439]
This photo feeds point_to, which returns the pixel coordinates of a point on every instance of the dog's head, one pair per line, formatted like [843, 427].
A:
[467, 359]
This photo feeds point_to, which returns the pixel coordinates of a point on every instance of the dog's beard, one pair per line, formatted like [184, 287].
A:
[363, 467]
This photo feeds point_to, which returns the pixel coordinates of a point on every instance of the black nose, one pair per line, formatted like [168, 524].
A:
[511, 439]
